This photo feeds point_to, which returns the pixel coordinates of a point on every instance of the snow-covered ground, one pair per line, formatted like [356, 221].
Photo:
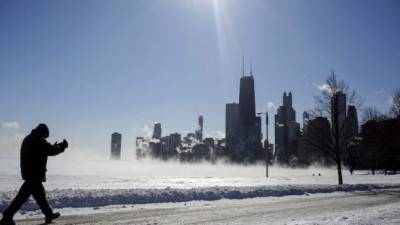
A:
[367, 207]
[61, 198]
[103, 183]
[386, 214]
[106, 174]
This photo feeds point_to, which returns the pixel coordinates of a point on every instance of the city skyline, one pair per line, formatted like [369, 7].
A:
[109, 72]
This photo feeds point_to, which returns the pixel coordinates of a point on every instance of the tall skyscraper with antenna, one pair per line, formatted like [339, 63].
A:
[249, 123]
[242, 125]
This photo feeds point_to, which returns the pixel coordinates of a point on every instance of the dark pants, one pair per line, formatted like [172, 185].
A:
[28, 188]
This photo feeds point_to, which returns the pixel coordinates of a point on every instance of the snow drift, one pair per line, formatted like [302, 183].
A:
[77, 198]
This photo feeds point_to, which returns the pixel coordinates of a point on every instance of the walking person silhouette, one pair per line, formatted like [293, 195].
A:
[34, 152]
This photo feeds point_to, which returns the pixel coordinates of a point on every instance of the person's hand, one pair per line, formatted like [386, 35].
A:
[64, 144]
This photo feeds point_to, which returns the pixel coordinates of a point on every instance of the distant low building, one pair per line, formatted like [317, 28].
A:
[170, 145]
[155, 148]
[174, 142]
[200, 151]
[189, 138]
[209, 142]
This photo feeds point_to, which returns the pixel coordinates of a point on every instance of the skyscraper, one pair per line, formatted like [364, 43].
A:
[157, 131]
[116, 145]
[338, 113]
[199, 132]
[286, 130]
[242, 126]
[231, 126]
[353, 152]
[174, 142]
[249, 143]
[352, 121]
[169, 145]
[247, 106]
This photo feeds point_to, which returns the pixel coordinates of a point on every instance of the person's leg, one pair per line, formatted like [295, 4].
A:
[22, 196]
[39, 195]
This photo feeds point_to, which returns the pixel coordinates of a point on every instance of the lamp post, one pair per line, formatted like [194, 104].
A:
[266, 144]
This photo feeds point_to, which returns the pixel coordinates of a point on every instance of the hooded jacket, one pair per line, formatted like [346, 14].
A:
[34, 152]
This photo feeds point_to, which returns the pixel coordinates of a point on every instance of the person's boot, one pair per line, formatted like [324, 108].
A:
[52, 217]
[7, 221]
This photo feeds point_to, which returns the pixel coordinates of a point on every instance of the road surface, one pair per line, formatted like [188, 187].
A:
[371, 207]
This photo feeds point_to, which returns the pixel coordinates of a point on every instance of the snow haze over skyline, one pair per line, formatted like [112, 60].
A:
[90, 68]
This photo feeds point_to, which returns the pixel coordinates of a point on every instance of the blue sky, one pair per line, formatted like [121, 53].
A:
[89, 68]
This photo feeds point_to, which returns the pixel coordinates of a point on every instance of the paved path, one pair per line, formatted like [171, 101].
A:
[292, 210]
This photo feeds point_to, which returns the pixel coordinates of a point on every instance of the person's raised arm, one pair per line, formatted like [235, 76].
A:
[57, 148]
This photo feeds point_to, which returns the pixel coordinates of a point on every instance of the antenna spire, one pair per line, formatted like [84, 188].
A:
[251, 67]
[243, 65]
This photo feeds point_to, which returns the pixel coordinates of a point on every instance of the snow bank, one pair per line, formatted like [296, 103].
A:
[61, 198]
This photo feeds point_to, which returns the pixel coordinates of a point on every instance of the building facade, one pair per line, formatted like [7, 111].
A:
[231, 127]
[352, 121]
[338, 118]
[287, 130]
[157, 131]
[199, 131]
[116, 145]
[249, 146]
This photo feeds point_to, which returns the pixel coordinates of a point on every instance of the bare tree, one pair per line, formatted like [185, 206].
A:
[332, 104]
[372, 113]
[318, 141]
[333, 86]
[395, 103]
